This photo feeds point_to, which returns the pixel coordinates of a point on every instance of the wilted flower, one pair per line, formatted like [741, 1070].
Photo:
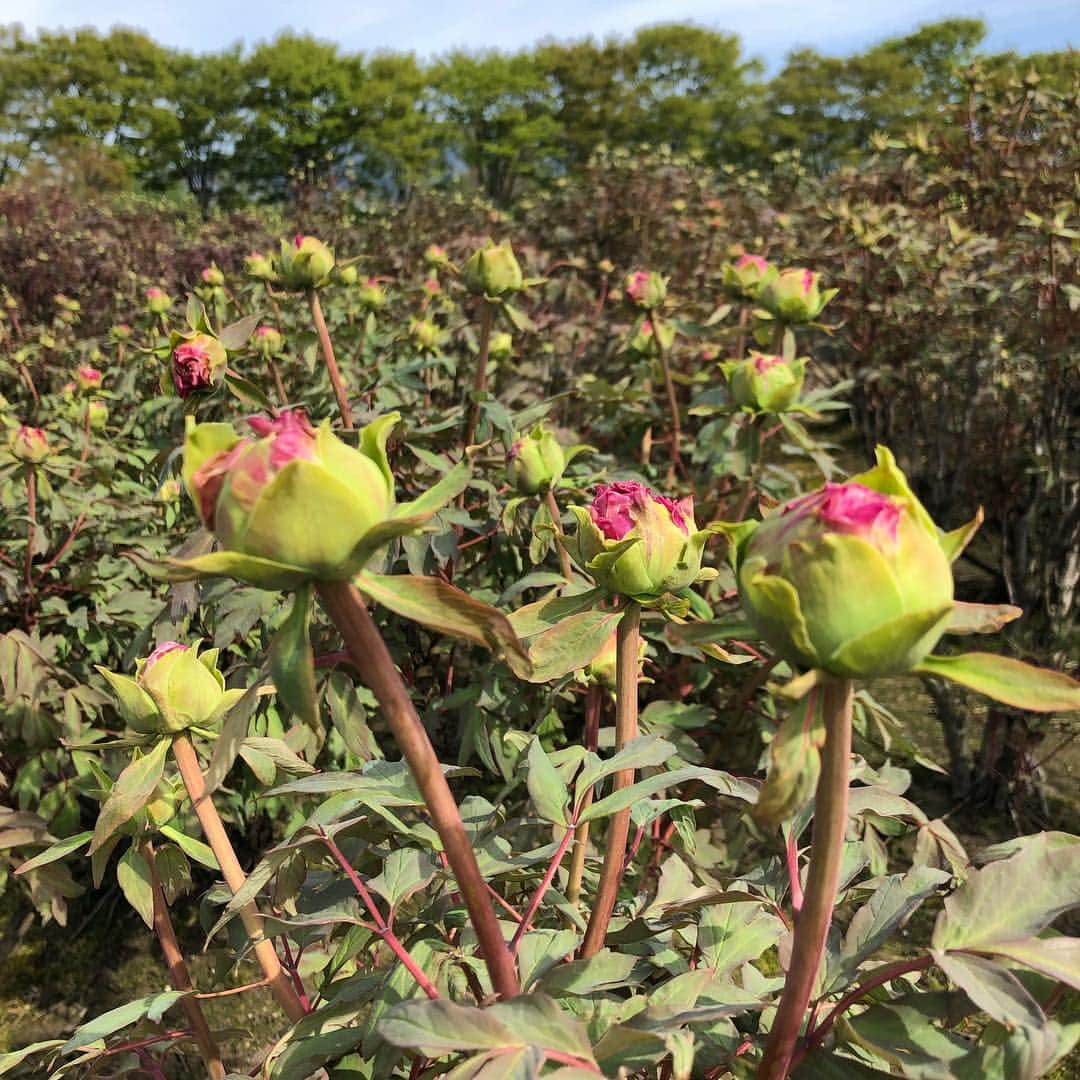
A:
[763, 383]
[535, 462]
[305, 263]
[493, 271]
[745, 275]
[268, 340]
[636, 542]
[29, 444]
[645, 289]
[88, 378]
[852, 579]
[198, 364]
[793, 296]
[157, 300]
[174, 688]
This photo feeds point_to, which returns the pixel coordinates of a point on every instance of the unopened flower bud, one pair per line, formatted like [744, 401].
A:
[744, 276]
[212, 276]
[644, 341]
[121, 332]
[535, 462]
[372, 295]
[260, 266]
[29, 444]
[174, 688]
[851, 579]
[793, 296]
[269, 341]
[763, 383]
[305, 263]
[646, 290]
[157, 300]
[436, 255]
[348, 275]
[97, 414]
[88, 378]
[425, 333]
[638, 543]
[493, 271]
[501, 345]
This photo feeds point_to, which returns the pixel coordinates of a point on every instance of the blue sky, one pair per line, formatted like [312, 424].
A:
[768, 28]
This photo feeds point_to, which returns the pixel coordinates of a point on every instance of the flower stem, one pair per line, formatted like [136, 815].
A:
[487, 318]
[178, 971]
[279, 386]
[218, 839]
[823, 876]
[594, 702]
[626, 728]
[673, 404]
[331, 363]
[556, 521]
[542, 888]
[31, 537]
[376, 667]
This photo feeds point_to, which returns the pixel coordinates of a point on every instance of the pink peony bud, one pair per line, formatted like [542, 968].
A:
[29, 444]
[191, 368]
[849, 508]
[89, 378]
[160, 651]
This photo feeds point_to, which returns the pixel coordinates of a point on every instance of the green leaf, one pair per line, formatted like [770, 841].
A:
[133, 877]
[235, 336]
[1010, 681]
[440, 1027]
[723, 782]
[191, 847]
[794, 762]
[292, 662]
[153, 1007]
[1056, 957]
[437, 496]
[405, 871]
[993, 988]
[9, 1060]
[606, 970]
[730, 935]
[546, 787]
[639, 753]
[1011, 899]
[233, 732]
[570, 645]
[248, 392]
[445, 608]
[131, 792]
[279, 752]
[61, 849]
[541, 950]
[532, 619]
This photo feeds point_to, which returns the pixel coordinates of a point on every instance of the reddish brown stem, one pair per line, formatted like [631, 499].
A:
[626, 728]
[214, 830]
[381, 925]
[487, 318]
[178, 971]
[542, 888]
[791, 851]
[823, 877]
[31, 537]
[279, 386]
[376, 667]
[332, 369]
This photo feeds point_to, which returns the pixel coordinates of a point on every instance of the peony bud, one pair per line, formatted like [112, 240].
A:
[29, 444]
[606, 266]
[431, 287]
[745, 275]
[157, 300]
[493, 271]
[851, 579]
[501, 345]
[646, 290]
[536, 462]
[305, 263]
[174, 688]
[170, 490]
[372, 295]
[260, 266]
[269, 341]
[425, 333]
[291, 497]
[212, 276]
[88, 378]
[637, 543]
[348, 275]
[436, 255]
[763, 383]
[198, 364]
[121, 332]
[97, 414]
[793, 296]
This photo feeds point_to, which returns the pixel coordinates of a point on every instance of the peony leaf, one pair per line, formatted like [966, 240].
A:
[794, 763]
[131, 792]
[1006, 680]
[292, 662]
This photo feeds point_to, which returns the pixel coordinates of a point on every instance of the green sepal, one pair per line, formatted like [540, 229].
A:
[423, 508]
[887, 478]
[1009, 681]
[373, 440]
[137, 708]
[262, 573]
[954, 542]
[980, 618]
[859, 657]
[736, 533]
[292, 661]
[776, 600]
[202, 442]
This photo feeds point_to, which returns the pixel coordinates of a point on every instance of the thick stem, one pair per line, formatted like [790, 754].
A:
[487, 318]
[31, 537]
[673, 402]
[376, 667]
[594, 702]
[626, 728]
[331, 363]
[556, 521]
[823, 876]
[218, 839]
[179, 976]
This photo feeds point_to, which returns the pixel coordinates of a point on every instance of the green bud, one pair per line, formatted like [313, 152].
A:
[646, 290]
[744, 276]
[536, 462]
[644, 341]
[763, 383]
[269, 340]
[501, 345]
[348, 275]
[793, 296]
[493, 271]
[29, 444]
[305, 263]
[260, 266]
[174, 688]
[851, 579]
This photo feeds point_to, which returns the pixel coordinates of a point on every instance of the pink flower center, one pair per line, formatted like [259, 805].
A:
[849, 508]
[807, 282]
[291, 433]
[89, 374]
[616, 506]
[636, 285]
[758, 261]
[766, 363]
[264, 331]
[164, 648]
